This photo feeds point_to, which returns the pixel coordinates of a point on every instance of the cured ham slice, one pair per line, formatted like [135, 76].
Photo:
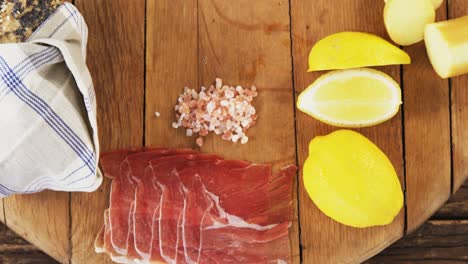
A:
[123, 188]
[147, 198]
[172, 204]
[179, 206]
[122, 196]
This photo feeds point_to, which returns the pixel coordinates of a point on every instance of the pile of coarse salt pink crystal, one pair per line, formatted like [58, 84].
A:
[222, 109]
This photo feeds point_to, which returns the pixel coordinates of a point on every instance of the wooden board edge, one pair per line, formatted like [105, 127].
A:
[437, 241]
[375, 251]
[43, 224]
[459, 110]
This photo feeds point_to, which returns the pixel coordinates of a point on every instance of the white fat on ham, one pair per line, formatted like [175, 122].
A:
[233, 221]
[169, 259]
[196, 221]
[166, 258]
[184, 241]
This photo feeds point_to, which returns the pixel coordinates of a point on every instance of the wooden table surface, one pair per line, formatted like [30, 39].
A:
[143, 52]
[441, 240]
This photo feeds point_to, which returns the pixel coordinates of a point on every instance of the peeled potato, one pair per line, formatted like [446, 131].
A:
[405, 20]
[447, 46]
[435, 3]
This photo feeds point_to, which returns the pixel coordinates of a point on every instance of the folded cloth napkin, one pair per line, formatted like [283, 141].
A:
[48, 129]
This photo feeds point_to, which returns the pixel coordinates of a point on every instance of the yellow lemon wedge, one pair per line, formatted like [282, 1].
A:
[352, 98]
[347, 50]
[351, 180]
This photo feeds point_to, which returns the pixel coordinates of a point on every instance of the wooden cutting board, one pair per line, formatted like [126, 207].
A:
[141, 55]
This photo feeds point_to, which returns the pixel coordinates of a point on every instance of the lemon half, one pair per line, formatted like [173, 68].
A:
[351, 180]
[352, 98]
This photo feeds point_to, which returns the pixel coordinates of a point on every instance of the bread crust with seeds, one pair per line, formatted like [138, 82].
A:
[20, 18]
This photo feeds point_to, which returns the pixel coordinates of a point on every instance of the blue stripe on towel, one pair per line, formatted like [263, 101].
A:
[63, 23]
[45, 57]
[49, 116]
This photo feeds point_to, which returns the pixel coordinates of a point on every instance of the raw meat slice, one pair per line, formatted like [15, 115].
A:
[147, 201]
[199, 228]
[167, 222]
[111, 161]
[195, 214]
[223, 247]
[173, 203]
[279, 207]
[103, 244]
[132, 254]
[202, 231]
[196, 208]
[99, 242]
[224, 170]
[238, 183]
[115, 256]
[147, 198]
[122, 195]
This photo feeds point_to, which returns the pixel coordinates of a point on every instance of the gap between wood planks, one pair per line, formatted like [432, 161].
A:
[403, 149]
[143, 140]
[295, 131]
[447, 15]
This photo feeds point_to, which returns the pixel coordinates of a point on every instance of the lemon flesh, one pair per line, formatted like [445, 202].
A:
[352, 98]
[348, 50]
[351, 180]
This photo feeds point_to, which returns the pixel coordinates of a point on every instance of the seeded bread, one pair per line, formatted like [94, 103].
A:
[19, 18]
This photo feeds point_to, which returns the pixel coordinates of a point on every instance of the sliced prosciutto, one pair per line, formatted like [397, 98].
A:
[179, 206]
[126, 177]
[172, 204]
[147, 198]
[116, 167]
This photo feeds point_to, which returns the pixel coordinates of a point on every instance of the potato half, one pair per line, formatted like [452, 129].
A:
[405, 20]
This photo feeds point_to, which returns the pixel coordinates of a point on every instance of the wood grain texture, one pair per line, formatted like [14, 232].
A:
[15, 250]
[2, 212]
[249, 44]
[171, 64]
[41, 219]
[324, 240]
[427, 135]
[180, 54]
[456, 207]
[436, 242]
[116, 61]
[190, 43]
[459, 96]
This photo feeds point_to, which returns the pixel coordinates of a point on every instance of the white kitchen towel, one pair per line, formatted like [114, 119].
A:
[48, 129]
